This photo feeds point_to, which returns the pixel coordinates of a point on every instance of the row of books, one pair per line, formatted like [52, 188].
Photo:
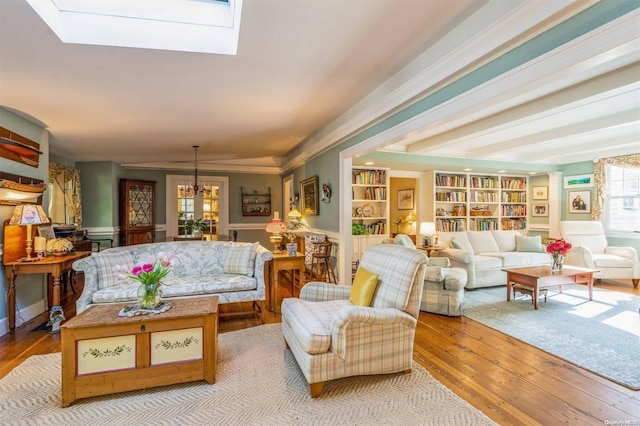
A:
[484, 197]
[513, 210]
[452, 196]
[514, 183]
[483, 224]
[484, 182]
[377, 228]
[514, 197]
[451, 180]
[370, 177]
[451, 225]
[372, 193]
[514, 224]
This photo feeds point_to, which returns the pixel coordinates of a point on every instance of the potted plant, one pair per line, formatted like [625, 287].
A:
[196, 227]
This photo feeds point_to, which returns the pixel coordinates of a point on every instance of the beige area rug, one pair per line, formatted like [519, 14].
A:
[258, 383]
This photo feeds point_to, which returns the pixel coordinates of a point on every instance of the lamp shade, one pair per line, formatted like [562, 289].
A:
[276, 226]
[28, 214]
[427, 228]
[294, 214]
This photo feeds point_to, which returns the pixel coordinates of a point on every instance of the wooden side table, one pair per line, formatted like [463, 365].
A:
[284, 262]
[431, 249]
[54, 265]
[103, 353]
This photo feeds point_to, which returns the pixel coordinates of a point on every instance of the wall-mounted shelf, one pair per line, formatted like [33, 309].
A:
[256, 203]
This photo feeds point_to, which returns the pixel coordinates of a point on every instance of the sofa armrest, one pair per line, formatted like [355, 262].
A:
[457, 256]
[443, 262]
[581, 257]
[319, 292]
[262, 257]
[627, 252]
[89, 268]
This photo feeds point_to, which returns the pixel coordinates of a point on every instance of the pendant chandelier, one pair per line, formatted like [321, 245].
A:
[196, 189]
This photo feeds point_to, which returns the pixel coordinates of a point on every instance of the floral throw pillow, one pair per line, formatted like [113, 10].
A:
[241, 259]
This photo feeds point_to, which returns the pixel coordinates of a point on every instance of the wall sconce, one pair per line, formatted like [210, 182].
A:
[29, 215]
[276, 227]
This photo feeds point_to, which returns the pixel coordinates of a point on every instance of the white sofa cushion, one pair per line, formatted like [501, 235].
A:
[482, 242]
[447, 238]
[529, 244]
[612, 261]
[506, 240]
[487, 262]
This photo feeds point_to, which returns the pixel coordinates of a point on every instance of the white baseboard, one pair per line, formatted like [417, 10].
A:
[23, 315]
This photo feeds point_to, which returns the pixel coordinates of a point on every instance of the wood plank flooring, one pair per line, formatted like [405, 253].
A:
[511, 382]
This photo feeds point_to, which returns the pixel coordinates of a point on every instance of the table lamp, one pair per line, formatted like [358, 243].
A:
[427, 230]
[29, 214]
[294, 217]
[276, 227]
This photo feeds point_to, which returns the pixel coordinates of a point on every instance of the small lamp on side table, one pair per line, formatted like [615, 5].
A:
[29, 214]
[428, 230]
[276, 227]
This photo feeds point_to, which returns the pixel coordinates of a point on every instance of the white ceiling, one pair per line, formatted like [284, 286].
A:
[308, 74]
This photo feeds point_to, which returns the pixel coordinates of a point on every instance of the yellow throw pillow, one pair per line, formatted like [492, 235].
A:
[363, 287]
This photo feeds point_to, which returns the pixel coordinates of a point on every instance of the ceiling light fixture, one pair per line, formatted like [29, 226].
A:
[196, 189]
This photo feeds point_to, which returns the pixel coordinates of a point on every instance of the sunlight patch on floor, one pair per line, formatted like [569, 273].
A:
[628, 321]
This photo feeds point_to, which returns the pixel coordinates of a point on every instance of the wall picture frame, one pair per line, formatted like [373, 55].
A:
[405, 199]
[309, 196]
[578, 181]
[540, 210]
[540, 193]
[579, 201]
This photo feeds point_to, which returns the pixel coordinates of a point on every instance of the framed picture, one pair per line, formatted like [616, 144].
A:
[579, 201]
[540, 193]
[405, 199]
[46, 231]
[309, 196]
[540, 210]
[580, 181]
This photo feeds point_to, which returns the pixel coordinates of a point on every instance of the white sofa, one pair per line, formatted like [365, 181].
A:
[591, 250]
[203, 268]
[483, 254]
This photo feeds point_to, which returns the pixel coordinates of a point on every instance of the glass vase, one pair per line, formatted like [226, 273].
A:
[149, 295]
[556, 266]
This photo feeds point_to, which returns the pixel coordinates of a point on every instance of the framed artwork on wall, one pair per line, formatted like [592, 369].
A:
[540, 210]
[405, 199]
[46, 231]
[309, 196]
[579, 201]
[579, 181]
[540, 193]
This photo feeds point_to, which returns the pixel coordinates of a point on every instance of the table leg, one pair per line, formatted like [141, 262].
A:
[56, 314]
[11, 303]
[590, 286]
[508, 287]
[536, 294]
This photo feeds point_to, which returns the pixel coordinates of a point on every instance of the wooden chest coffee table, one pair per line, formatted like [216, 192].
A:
[540, 277]
[103, 353]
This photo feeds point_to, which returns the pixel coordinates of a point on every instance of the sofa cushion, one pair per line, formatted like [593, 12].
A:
[447, 239]
[363, 287]
[106, 261]
[487, 262]
[179, 287]
[532, 244]
[482, 242]
[514, 259]
[611, 261]
[506, 240]
[241, 258]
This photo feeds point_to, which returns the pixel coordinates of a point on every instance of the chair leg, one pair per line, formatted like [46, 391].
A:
[315, 389]
[635, 282]
[407, 371]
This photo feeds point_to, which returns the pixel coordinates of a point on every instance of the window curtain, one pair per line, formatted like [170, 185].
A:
[66, 203]
[600, 178]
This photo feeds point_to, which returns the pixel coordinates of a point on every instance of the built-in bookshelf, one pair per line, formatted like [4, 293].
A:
[479, 202]
[370, 195]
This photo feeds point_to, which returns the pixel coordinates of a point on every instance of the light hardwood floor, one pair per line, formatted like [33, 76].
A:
[511, 382]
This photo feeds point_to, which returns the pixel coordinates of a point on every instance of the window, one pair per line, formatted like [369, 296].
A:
[622, 206]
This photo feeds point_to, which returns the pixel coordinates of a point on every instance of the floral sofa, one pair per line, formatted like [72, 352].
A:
[233, 271]
[483, 254]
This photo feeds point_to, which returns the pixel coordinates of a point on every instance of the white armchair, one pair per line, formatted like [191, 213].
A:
[332, 338]
[591, 250]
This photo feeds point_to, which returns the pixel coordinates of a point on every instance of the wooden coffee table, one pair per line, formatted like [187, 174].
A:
[540, 277]
[103, 353]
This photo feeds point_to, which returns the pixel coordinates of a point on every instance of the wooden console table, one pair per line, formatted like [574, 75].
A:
[103, 353]
[54, 265]
[284, 262]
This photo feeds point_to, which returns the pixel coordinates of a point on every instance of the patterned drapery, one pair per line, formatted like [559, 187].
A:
[66, 203]
[600, 177]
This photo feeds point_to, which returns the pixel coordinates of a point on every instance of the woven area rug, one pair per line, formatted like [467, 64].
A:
[602, 335]
[258, 383]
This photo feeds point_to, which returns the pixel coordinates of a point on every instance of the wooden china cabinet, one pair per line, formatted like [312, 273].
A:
[137, 211]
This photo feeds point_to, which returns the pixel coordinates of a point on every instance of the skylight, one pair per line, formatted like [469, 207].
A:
[207, 26]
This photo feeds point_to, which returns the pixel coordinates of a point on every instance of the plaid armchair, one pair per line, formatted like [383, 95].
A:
[332, 338]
